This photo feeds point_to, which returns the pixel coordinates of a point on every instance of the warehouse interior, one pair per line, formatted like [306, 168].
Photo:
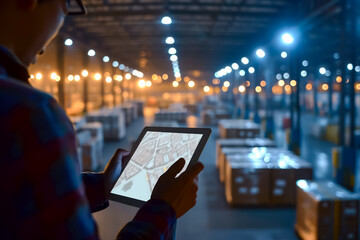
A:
[277, 81]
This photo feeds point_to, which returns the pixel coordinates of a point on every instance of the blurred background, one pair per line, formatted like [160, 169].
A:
[277, 81]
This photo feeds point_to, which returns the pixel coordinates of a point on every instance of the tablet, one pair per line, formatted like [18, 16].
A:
[156, 149]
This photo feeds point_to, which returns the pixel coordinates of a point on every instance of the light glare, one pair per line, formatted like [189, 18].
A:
[91, 52]
[166, 20]
[169, 40]
[260, 53]
[287, 38]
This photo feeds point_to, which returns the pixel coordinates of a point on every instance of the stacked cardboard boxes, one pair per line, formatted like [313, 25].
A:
[326, 211]
[165, 124]
[232, 128]
[90, 150]
[113, 123]
[263, 170]
[128, 111]
[241, 153]
[213, 116]
[140, 107]
[178, 115]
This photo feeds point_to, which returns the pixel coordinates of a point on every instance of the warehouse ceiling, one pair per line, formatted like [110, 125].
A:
[207, 33]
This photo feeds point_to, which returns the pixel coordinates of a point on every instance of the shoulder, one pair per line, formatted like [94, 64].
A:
[13, 92]
[25, 105]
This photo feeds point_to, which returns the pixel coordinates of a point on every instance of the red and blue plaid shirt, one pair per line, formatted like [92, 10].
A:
[43, 195]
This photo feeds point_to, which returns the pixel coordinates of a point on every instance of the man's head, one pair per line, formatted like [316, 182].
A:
[27, 26]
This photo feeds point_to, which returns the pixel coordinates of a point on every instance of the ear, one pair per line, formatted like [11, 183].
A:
[26, 5]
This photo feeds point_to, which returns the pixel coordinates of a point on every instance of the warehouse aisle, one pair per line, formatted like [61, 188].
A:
[212, 218]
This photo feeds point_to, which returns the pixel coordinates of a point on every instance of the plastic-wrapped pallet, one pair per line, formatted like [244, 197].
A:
[235, 142]
[140, 107]
[134, 109]
[326, 211]
[171, 115]
[232, 128]
[96, 131]
[113, 123]
[207, 117]
[90, 157]
[247, 183]
[78, 122]
[82, 137]
[242, 154]
[285, 169]
[127, 111]
[165, 124]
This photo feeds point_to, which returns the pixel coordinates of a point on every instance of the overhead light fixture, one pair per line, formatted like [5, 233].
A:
[91, 52]
[115, 63]
[235, 66]
[106, 59]
[173, 58]
[68, 42]
[287, 38]
[172, 51]
[245, 60]
[166, 20]
[260, 53]
[169, 40]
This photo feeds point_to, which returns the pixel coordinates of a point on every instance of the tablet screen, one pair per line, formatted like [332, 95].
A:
[156, 152]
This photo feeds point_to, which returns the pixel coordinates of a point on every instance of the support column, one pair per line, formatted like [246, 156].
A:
[86, 82]
[102, 88]
[345, 158]
[257, 80]
[113, 85]
[61, 68]
[269, 79]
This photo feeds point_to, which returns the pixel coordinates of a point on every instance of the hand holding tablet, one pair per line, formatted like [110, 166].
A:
[179, 192]
[155, 151]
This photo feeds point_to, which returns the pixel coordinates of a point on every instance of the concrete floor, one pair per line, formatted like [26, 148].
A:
[212, 218]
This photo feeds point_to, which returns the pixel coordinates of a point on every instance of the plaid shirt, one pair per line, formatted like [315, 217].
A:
[43, 194]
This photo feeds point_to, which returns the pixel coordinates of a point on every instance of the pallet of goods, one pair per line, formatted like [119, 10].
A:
[113, 122]
[233, 128]
[266, 177]
[326, 211]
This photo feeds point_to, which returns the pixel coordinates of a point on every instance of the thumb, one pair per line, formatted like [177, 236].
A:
[116, 159]
[175, 168]
[193, 172]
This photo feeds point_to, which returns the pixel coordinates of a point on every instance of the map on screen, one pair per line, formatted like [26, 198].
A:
[155, 154]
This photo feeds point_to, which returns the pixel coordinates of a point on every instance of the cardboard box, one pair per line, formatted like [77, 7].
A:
[284, 169]
[325, 210]
[282, 183]
[247, 183]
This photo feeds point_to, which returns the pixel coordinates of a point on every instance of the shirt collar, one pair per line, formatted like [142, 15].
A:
[13, 66]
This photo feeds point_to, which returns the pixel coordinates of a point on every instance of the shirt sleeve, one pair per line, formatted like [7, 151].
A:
[155, 220]
[95, 190]
[53, 186]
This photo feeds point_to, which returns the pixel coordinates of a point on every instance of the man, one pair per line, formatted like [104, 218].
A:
[43, 195]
